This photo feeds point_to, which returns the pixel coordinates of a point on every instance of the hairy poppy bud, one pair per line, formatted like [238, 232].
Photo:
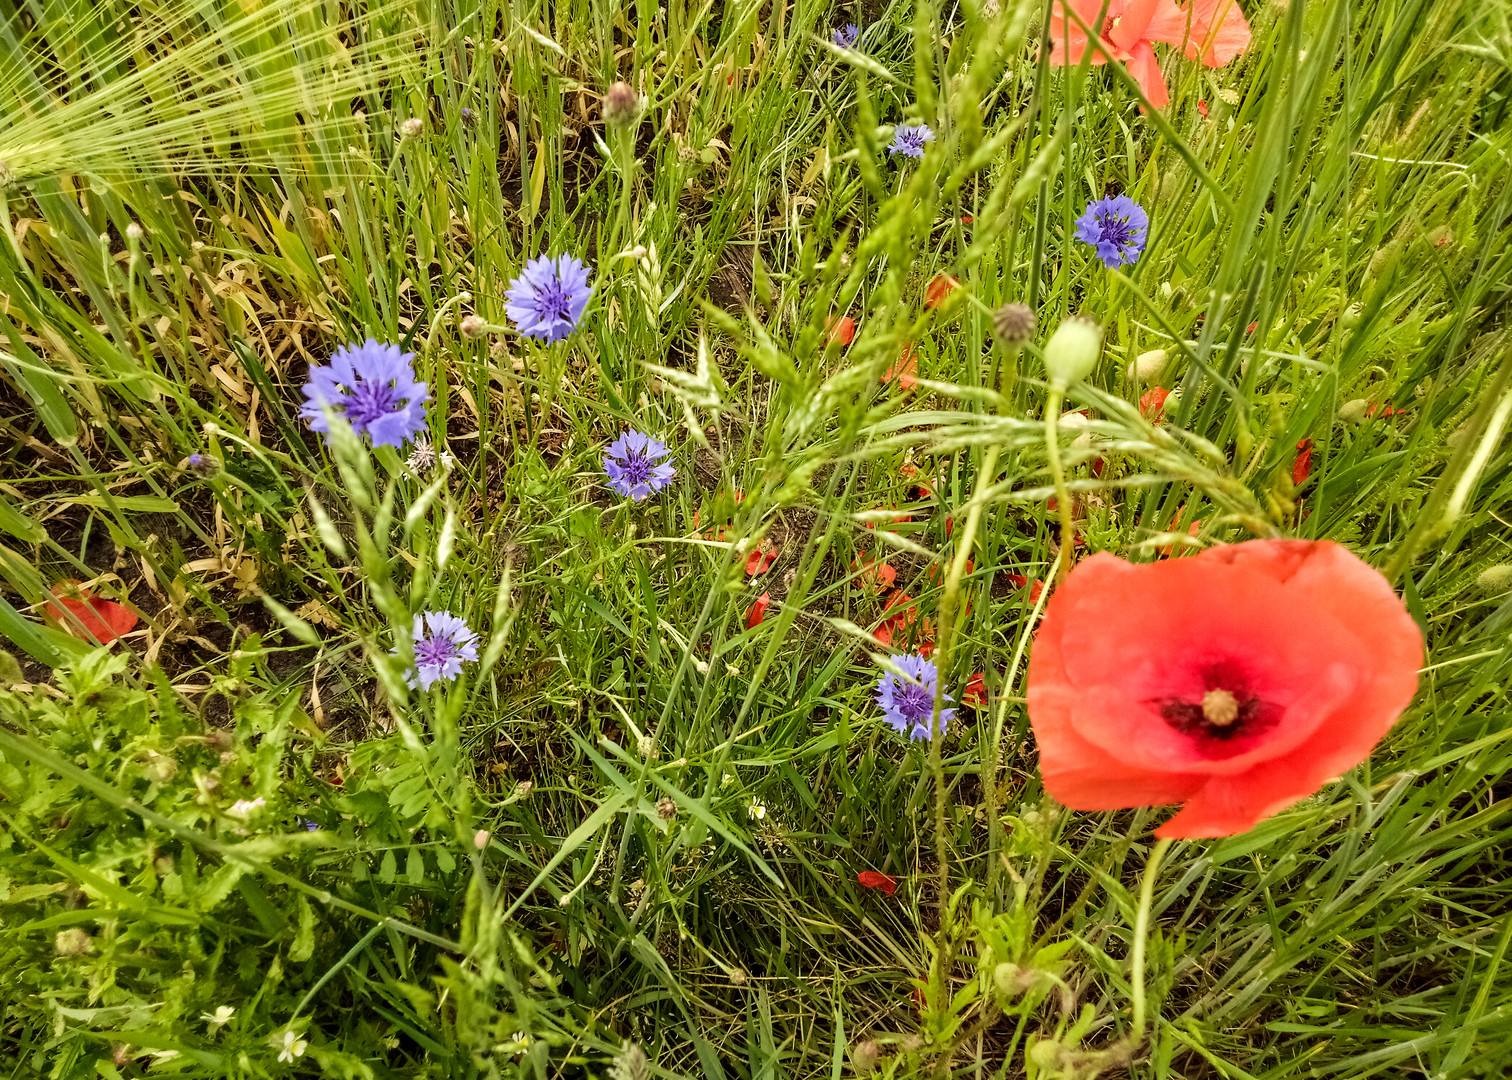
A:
[865, 1055]
[1147, 367]
[1353, 411]
[621, 104]
[75, 941]
[1014, 323]
[1071, 352]
[1494, 580]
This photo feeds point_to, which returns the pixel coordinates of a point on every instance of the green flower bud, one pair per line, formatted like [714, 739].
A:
[1071, 353]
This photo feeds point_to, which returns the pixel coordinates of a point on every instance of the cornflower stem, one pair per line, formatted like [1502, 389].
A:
[953, 578]
[1058, 476]
[1141, 939]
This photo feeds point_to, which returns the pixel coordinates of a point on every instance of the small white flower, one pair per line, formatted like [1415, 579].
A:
[757, 810]
[222, 1014]
[293, 1047]
[245, 808]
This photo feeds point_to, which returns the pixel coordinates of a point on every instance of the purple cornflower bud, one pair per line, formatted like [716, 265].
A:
[468, 116]
[203, 464]
[309, 825]
[846, 36]
[909, 140]
[631, 462]
[908, 704]
[373, 386]
[1116, 226]
[439, 653]
[548, 298]
[621, 104]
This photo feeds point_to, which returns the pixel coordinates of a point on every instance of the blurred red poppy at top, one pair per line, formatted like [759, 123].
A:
[1235, 682]
[104, 620]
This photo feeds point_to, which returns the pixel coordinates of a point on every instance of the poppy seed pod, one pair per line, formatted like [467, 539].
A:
[621, 104]
[1071, 352]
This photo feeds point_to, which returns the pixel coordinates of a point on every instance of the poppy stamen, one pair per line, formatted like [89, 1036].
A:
[1220, 708]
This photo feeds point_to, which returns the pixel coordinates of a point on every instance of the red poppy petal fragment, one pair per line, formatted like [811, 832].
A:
[842, 331]
[939, 289]
[905, 370]
[873, 880]
[975, 693]
[1235, 682]
[104, 620]
[1302, 466]
[1152, 402]
[758, 610]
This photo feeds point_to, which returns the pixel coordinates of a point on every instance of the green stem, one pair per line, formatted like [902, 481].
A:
[1141, 936]
[1058, 476]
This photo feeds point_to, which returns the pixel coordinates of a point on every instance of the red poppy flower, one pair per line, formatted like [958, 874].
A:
[1373, 408]
[1302, 466]
[1235, 682]
[842, 331]
[1019, 581]
[874, 575]
[940, 288]
[1202, 108]
[1152, 403]
[1250, 329]
[967, 219]
[760, 560]
[873, 880]
[904, 624]
[103, 620]
[975, 693]
[905, 370]
[758, 610]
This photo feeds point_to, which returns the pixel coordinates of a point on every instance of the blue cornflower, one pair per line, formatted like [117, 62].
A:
[631, 462]
[439, 653]
[909, 139]
[373, 386]
[846, 36]
[547, 299]
[908, 704]
[1116, 226]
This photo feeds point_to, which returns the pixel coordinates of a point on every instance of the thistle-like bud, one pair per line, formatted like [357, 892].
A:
[666, 809]
[472, 327]
[622, 104]
[1014, 323]
[1071, 353]
[411, 128]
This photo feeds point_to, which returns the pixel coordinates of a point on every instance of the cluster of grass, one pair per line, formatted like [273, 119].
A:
[627, 841]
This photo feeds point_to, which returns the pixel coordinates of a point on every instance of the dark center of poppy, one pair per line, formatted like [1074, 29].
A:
[1226, 715]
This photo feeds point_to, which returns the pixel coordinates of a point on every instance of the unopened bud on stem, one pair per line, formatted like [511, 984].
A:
[1071, 353]
[621, 104]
